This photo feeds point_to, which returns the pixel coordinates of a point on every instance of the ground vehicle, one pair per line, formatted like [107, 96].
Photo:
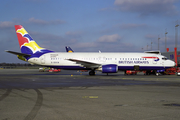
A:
[54, 70]
[131, 72]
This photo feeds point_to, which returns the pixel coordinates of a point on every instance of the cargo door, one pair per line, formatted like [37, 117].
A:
[162, 62]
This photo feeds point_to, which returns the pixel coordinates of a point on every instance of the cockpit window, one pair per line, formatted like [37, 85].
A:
[164, 58]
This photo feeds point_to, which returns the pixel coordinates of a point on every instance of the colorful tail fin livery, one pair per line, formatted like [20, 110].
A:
[27, 44]
[68, 49]
[29, 48]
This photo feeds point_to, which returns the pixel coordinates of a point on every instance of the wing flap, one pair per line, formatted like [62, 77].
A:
[85, 63]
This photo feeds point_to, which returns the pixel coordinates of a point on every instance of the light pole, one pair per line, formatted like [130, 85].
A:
[142, 49]
[165, 39]
[158, 41]
[151, 45]
[176, 35]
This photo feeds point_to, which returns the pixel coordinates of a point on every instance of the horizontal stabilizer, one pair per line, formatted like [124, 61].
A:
[17, 53]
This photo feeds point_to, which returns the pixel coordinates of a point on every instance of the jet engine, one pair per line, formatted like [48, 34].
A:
[112, 68]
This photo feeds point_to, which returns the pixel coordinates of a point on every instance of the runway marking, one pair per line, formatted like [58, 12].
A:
[90, 97]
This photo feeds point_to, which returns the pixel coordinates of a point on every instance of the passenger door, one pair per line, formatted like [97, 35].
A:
[43, 59]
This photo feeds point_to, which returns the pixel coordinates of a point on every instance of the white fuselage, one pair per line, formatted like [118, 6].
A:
[124, 61]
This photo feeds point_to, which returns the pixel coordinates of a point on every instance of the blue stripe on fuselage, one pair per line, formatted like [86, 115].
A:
[38, 54]
[69, 67]
[142, 67]
[119, 67]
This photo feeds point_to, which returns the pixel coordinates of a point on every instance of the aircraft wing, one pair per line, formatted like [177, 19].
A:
[17, 53]
[85, 63]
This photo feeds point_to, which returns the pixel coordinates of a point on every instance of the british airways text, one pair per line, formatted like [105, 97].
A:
[133, 62]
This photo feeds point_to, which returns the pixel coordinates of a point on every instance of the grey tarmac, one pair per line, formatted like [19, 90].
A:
[26, 94]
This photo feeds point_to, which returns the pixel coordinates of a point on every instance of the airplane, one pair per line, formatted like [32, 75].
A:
[106, 62]
[131, 72]
[68, 49]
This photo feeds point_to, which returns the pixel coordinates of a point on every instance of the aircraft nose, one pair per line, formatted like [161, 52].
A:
[173, 64]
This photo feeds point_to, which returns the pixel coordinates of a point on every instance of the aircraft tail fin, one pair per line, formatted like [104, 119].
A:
[68, 49]
[26, 42]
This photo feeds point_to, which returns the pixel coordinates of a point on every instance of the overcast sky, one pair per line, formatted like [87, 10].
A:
[89, 25]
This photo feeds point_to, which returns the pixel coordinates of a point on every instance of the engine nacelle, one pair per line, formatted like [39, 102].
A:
[160, 71]
[112, 68]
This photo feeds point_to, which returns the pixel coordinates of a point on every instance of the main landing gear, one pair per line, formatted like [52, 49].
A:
[152, 72]
[92, 72]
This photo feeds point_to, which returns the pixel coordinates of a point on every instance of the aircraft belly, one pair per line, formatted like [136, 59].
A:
[142, 67]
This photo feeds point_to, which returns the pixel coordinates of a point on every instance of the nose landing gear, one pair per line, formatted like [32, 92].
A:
[92, 72]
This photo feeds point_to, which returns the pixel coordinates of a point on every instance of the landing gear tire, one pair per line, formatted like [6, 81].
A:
[125, 72]
[92, 72]
[157, 74]
[147, 72]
